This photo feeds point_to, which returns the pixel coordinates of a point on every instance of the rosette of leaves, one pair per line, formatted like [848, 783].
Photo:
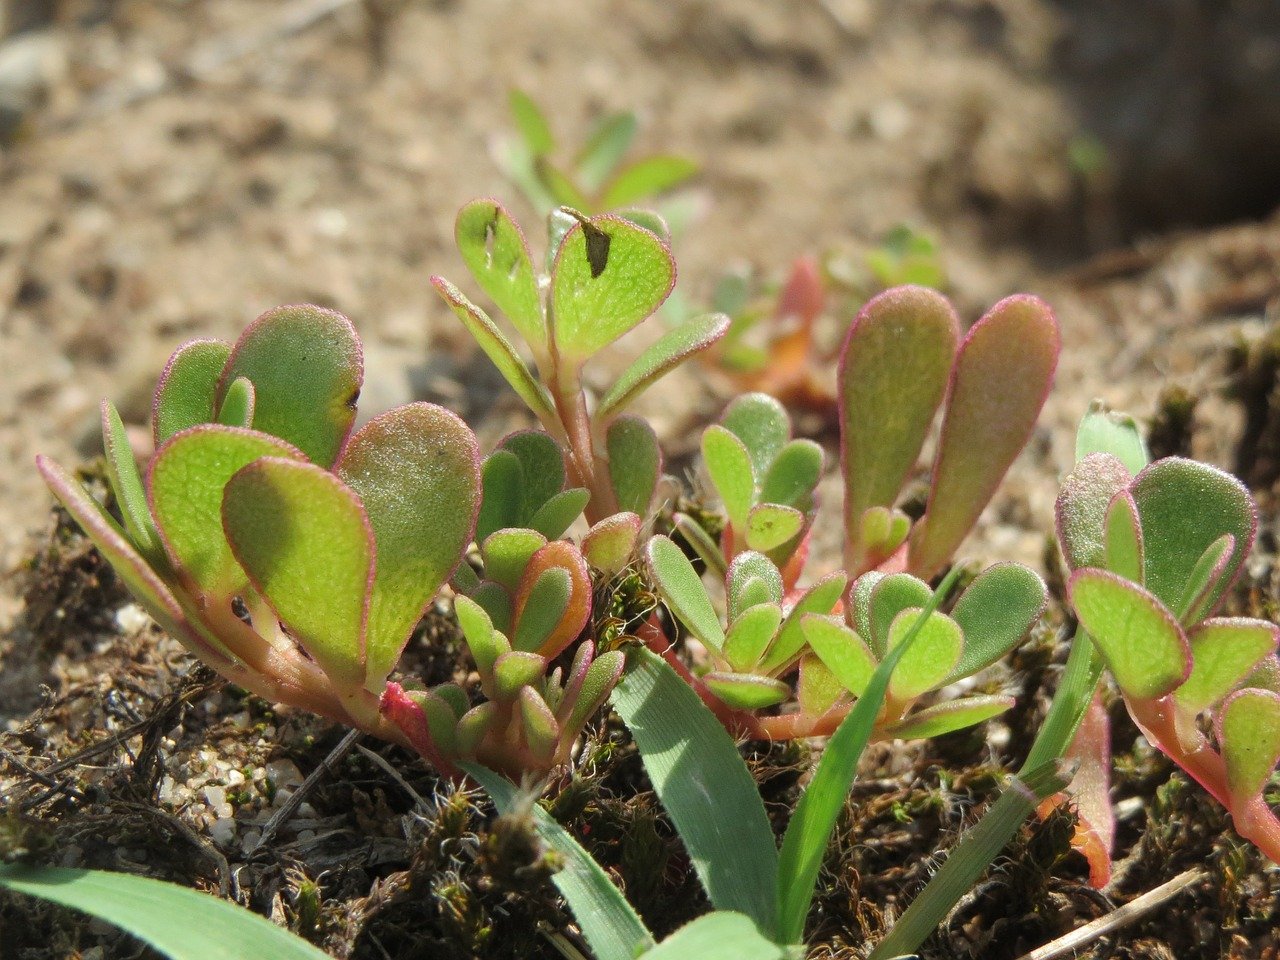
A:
[292, 556]
[1153, 557]
[606, 274]
[764, 637]
[902, 359]
[766, 481]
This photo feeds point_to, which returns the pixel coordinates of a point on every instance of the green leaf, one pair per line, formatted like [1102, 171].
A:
[845, 653]
[859, 612]
[161, 914]
[188, 388]
[1102, 431]
[531, 122]
[752, 578]
[499, 350]
[1136, 634]
[609, 275]
[415, 469]
[762, 424]
[541, 731]
[684, 591]
[662, 357]
[750, 634]
[506, 554]
[1081, 508]
[656, 224]
[1185, 506]
[304, 539]
[542, 466]
[306, 367]
[1202, 582]
[647, 178]
[495, 600]
[1249, 736]
[502, 478]
[770, 525]
[495, 252]
[564, 192]
[722, 935]
[573, 617]
[948, 717]
[818, 690]
[609, 924]
[926, 666]
[635, 461]
[995, 612]
[547, 602]
[555, 516]
[822, 597]
[729, 466]
[704, 785]
[891, 595]
[892, 377]
[597, 683]
[1002, 374]
[610, 543]
[809, 832]
[604, 149]
[126, 485]
[514, 670]
[139, 577]
[1123, 536]
[744, 691]
[237, 405]
[1223, 652]
[793, 475]
[185, 483]
[485, 643]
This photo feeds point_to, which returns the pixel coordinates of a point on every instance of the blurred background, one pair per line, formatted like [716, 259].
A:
[171, 168]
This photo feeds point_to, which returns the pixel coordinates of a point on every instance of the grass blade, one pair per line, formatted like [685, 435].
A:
[810, 828]
[181, 923]
[611, 926]
[704, 785]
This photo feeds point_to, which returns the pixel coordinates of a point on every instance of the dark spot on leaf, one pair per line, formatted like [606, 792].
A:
[597, 248]
[352, 400]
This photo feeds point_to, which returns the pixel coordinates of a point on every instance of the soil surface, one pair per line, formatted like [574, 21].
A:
[170, 169]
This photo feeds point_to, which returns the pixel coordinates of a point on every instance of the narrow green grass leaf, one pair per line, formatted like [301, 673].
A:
[494, 250]
[304, 539]
[1223, 652]
[181, 923]
[609, 924]
[126, 484]
[665, 355]
[416, 471]
[684, 591]
[728, 464]
[531, 122]
[995, 612]
[609, 275]
[188, 388]
[948, 717]
[306, 367]
[762, 424]
[1002, 375]
[809, 831]
[893, 373]
[722, 935]
[647, 178]
[1249, 736]
[635, 461]
[499, 350]
[705, 787]
[1139, 637]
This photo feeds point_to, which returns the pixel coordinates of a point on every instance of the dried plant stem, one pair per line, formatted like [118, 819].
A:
[295, 799]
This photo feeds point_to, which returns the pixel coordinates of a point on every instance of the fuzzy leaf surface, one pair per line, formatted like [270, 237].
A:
[1249, 736]
[1081, 508]
[1223, 652]
[635, 461]
[494, 250]
[821, 598]
[939, 642]
[609, 544]
[770, 525]
[995, 612]
[671, 350]
[1103, 431]
[793, 475]
[126, 483]
[762, 424]
[750, 634]
[684, 591]
[942, 718]
[561, 555]
[729, 465]
[845, 653]
[188, 388]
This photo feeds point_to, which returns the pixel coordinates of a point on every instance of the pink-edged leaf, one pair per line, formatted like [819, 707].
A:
[1185, 506]
[890, 595]
[598, 682]
[402, 710]
[185, 483]
[750, 634]
[541, 731]
[845, 653]
[728, 464]
[1224, 651]
[416, 470]
[744, 691]
[545, 604]
[932, 656]
[683, 591]
[514, 670]
[803, 297]
[1105, 431]
[1202, 582]
[1090, 792]
[506, 554]
[1081, 509]
[187, 392]
[609, 275]
[948, 717]
[306, 367]
[771, 525]
[752, 578]
[495, 251]
[893, 375]
[126, 484]
[821, 598]
[304, 539]
[142, 581]
[238, 404]
[995, 612]
[577, 610]
[674, 347]
[635, 462]
[1122, 547]
[1140, 639]
[1002, 375]
[609, 545]
[761, 423]
[499, 350]
[1248, 727]
[486, 643]
[1266, 675]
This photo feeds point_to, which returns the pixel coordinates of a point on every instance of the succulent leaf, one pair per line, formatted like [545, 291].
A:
[995, 612]
[610, 543]
[1249, 736]
[506, 554]
[948, 717]
[683, 591]
[237, 405]
[634, 463]
[1117, 434]
[556, 516]
[547, 601]
[188, 388]
[671, 350]
[818, 689]
[844, 652]
[514, 670]
[889, 597]
[793, 475]
[821, 598]
[762, 424]
[931, 658]
[1122, 549]
[1081, 508]
[729, 465]
[744, 691]
[563, 556]
[752, 579]
[494, 250]
[770, 525]
[750, 634]
[1223, 652]
[126, 485]
[1202, 581]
